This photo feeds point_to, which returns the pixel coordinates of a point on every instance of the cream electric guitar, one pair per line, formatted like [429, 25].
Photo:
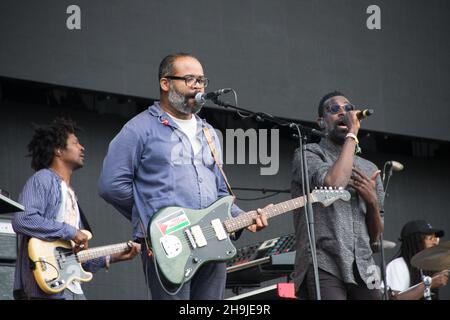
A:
[55, 265]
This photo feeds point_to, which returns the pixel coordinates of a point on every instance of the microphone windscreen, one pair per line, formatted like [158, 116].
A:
[397, 166]
[199, 99]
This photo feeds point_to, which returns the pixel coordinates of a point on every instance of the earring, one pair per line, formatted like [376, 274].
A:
[321, 124]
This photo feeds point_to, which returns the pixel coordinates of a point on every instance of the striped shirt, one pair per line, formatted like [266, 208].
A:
[41, 197]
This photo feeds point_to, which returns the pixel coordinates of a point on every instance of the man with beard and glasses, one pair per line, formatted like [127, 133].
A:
[161, 158]
[51, 208]
[344, 230]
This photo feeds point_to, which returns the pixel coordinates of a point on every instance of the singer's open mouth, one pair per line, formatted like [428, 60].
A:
[341, 124]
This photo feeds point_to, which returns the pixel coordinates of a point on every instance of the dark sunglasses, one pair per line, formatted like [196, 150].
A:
[336, 108]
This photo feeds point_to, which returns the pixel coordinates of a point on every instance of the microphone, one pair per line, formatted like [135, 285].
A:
[364, 114]
[201, 98]
[376, 246]
[395, 165]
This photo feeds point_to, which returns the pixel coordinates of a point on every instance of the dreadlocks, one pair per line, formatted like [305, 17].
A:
[411, 245]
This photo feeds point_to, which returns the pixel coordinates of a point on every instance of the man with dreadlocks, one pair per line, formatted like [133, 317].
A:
[416, 236]
[51, 208]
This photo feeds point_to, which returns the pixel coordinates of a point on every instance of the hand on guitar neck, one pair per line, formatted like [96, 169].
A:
[80, 242]
[260, 221]
[134, 249]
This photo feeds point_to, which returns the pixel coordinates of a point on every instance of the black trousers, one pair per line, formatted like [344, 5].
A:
[207, 284]
[332, 288]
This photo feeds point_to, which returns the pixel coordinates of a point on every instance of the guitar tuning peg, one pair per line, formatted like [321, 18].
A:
[340, 188]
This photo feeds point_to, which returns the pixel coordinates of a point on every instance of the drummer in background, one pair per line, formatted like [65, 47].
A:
[415, 236]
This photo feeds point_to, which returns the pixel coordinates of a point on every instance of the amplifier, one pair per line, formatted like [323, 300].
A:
[8, 241]
[7, 281]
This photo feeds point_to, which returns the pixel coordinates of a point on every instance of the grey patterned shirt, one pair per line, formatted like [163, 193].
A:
[341, 232]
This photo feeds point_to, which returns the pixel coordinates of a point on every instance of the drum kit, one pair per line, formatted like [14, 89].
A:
[436, 258]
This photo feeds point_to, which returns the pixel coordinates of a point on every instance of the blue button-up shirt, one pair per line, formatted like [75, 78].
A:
[41, 197]
[150, 165]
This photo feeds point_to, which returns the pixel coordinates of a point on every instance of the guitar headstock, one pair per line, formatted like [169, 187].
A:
[328, 195]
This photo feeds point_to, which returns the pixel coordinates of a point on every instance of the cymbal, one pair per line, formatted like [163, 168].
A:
[436, 258]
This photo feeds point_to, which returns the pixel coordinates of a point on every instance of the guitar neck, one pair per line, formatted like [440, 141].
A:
[103, 251]
[248, 218]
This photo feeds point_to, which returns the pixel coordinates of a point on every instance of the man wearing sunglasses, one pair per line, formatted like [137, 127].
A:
[161, 158]
[344, 230]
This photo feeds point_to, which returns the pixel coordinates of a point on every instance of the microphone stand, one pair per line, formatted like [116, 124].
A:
[309, 214]
[381, 238]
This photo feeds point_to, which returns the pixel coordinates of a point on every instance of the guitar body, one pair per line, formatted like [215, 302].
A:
[182, 239]
[55, 265]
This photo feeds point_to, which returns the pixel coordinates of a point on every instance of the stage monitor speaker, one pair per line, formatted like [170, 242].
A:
[8, 241]
[7, 281]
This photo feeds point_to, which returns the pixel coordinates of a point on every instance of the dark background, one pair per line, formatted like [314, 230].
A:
[280, 57]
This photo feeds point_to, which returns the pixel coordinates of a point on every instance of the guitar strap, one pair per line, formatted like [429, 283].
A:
[84, 221]
[147, 246]
[216, 158]
[237, 234]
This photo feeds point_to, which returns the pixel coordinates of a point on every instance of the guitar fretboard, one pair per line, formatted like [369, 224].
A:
[90, 254]
[248, 218]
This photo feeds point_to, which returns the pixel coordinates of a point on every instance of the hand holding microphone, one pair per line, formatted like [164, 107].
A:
[364, 114]
[351, 122]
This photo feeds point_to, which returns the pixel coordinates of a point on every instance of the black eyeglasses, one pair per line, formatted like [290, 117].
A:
[191, 80]
[336, 108]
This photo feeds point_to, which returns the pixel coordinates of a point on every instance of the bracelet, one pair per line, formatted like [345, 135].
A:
[353, 136]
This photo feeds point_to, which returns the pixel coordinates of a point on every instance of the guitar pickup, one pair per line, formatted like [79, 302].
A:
[218, 229]
[198, 236]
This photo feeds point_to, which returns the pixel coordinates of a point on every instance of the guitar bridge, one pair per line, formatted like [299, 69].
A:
[190, 238]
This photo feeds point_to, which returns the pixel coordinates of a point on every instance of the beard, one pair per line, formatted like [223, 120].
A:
[179, 102]
[337, 135]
